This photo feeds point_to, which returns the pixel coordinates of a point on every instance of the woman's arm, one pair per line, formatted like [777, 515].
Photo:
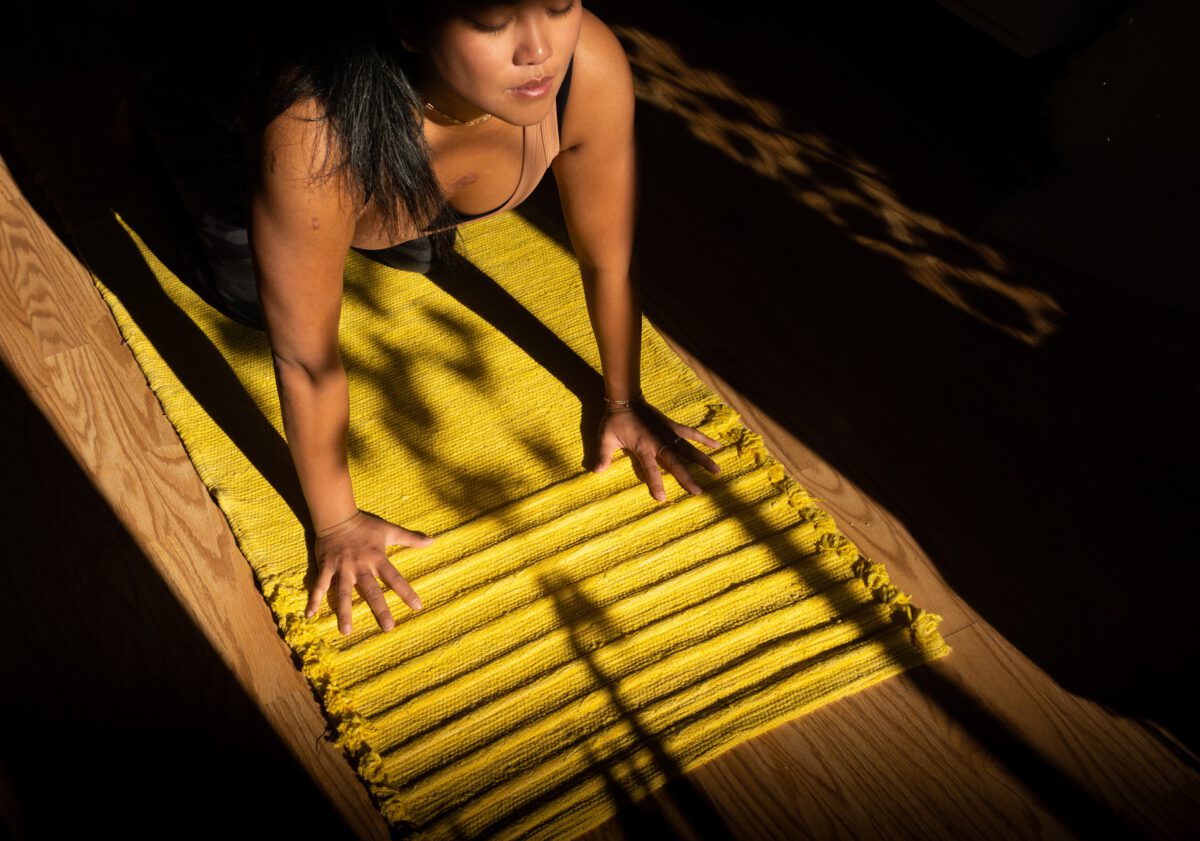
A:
[596, 174]
[300, 234]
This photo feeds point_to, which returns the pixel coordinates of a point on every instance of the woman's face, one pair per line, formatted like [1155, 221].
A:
[477, 57]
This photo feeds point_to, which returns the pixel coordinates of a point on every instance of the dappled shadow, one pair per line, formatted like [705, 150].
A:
[862, 319]
[1031, 428]
[625, 785]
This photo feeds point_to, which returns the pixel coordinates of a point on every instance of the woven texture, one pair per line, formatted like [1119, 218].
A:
[580, 643]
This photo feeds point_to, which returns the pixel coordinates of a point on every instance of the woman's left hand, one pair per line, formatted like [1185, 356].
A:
[651, 439]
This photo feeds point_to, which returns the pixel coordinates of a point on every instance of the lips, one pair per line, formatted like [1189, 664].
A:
[534, 84]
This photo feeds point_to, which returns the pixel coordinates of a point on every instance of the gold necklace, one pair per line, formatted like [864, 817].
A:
[429, 106]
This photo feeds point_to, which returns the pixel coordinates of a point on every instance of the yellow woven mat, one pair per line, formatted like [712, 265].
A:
[576, 635]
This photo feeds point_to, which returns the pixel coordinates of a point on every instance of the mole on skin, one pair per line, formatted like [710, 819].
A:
[315, 223]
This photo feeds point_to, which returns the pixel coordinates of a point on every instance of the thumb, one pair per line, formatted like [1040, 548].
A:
[603, 460]
[407, 537]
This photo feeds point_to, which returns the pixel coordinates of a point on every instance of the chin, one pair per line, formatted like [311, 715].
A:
[528, 116]
[519, 119]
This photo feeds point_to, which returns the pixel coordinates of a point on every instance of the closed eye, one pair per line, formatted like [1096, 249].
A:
[554, 13]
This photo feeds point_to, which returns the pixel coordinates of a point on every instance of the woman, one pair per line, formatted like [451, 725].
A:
[455, 92]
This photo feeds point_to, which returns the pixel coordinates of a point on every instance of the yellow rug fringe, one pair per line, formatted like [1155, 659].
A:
[576, 635]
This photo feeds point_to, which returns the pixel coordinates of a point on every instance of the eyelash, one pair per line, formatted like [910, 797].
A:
[554, 13]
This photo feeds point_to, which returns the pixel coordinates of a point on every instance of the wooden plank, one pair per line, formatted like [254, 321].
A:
[8, 187]
[980, 744]
[1071, 749]
[61, 344]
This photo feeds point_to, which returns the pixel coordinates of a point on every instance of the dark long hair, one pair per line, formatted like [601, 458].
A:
[354, 66]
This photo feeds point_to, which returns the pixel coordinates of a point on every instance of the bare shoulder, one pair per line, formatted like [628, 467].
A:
[599, 44]
[601, 93]
[297, 195]
[301, 229]
[295, 151]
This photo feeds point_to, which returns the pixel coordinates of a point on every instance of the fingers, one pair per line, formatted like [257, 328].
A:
[685, 449]
[696, 435]
[320, 587]
[373, 594]
[406, 537]
[647, 456]
[361, 566]
[345, 591]
[604, 461]
[672, 461]
[605, 446]
[400, 586]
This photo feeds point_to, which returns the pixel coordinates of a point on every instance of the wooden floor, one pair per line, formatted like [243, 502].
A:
[1013, 439]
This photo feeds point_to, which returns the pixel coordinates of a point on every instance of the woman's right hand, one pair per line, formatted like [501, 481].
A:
[355, 552]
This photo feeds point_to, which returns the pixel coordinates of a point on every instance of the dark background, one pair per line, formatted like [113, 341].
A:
[1052, 485]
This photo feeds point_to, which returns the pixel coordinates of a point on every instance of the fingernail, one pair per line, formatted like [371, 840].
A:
[417, 604]
[388, 625]
[308, 613]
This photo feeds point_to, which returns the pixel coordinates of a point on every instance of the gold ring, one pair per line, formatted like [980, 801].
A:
[664, 446]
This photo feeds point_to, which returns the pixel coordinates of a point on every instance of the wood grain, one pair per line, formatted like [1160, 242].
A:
[1028, 493]
[61, 346]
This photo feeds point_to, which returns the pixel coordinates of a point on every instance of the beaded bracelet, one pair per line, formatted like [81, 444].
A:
[624, 405]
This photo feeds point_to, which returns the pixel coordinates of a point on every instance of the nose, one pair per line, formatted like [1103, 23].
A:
[533, 46]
